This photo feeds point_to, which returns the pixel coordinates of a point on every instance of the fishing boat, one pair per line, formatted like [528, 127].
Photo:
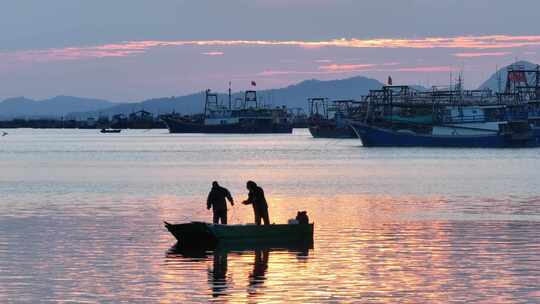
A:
[248, 118]
[523, 86]
[200, 234]
[110, 130]
[329, 119]
[516, 135]
[399, 116]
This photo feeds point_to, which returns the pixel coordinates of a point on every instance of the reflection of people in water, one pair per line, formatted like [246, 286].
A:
[258, 275]
[218, 274]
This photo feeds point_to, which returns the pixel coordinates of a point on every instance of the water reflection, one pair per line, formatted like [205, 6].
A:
[392, 226]
[254, 273]
[260, 265]
[218, 274]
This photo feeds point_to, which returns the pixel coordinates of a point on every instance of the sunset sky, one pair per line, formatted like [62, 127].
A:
[129, 50]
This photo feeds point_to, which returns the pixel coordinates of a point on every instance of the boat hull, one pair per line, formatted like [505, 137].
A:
[111, 131]
[318, 131]
[372, 136]
[179, 126]
[199, 234]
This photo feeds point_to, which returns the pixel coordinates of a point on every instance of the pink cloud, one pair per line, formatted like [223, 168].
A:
[270, 73]
[352, 68]
[346, 67]
[215, 53]
[426, 69]
[130, 48]
[481, 54]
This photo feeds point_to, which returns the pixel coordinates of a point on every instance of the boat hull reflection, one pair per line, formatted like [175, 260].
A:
[189, 251]
[220, 277]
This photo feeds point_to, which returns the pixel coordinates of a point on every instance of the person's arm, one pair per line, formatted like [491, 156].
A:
[229, 197]
[208, 202]
[249, 199]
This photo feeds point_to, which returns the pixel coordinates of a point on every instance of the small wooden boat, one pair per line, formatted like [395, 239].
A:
[111, 130]
[200, 234]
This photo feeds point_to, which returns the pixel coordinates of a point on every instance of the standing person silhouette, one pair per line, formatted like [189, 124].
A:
[216, 201]
[258, 201]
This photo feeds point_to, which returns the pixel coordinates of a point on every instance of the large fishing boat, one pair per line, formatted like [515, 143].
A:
[248, 117]
[400, 116]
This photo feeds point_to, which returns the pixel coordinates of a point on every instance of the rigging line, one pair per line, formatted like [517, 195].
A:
[233, 214]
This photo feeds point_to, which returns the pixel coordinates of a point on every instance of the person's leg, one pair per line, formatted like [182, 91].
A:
[257, 217]
[224, 217]
[216, 217]
[265, 217]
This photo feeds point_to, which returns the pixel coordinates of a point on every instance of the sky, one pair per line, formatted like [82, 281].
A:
[130, 50]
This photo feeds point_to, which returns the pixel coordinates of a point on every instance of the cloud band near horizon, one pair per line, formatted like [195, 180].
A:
[130, 48]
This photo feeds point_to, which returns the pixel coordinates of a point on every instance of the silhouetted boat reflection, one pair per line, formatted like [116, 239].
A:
[260, 265]
[218, 278]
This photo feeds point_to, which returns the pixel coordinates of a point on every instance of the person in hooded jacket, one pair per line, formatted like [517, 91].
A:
[258, 201]
[217, 201]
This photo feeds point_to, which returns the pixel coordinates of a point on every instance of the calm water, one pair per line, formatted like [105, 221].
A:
[81, 220]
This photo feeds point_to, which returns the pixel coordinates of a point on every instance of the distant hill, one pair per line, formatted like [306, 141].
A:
[493, 82]
[294, 96]
[54, 107]
[188, 104]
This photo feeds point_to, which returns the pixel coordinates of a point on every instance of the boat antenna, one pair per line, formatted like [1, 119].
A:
[206, 101]
[460, 86]
[450, 89]
[230, 102]
[499, 80]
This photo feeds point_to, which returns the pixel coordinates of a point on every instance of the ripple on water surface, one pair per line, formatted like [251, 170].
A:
[81, 220]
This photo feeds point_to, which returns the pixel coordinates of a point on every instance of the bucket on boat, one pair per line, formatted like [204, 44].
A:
[301, 218]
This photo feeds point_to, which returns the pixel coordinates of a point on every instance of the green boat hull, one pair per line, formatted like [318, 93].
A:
[199, 234]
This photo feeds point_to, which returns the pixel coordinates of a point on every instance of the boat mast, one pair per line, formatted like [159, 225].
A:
[499, 80]
[230, 100]
[460, 87]
[206, 101]
[537, 84]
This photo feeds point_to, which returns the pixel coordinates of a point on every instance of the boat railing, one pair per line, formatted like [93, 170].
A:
[464, 118]
[521, 115]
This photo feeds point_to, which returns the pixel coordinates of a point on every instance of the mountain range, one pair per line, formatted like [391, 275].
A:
[293, 96]
[53, 107]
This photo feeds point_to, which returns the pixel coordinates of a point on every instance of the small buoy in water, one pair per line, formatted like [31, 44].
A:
[4, 133]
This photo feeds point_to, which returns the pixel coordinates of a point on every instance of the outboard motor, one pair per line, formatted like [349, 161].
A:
[302, 218]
